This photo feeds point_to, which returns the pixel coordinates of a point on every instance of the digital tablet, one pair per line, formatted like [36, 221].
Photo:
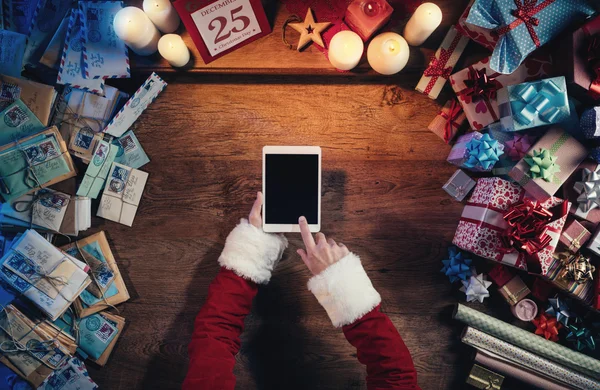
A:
[291, 188]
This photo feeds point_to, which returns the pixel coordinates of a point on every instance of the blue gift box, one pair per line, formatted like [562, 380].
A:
[590, 123]
[524, 25]
[533, 104]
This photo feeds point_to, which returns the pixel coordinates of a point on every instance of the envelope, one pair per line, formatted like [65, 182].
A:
[54, 263]
[17, 121]
[122, 194]
[33, 367]
[38, 97]
[43, 154]
[95, 175]
[97, 245]
[45, 209]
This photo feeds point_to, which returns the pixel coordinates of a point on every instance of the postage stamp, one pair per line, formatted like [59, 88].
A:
[127, 143]
[105, 332]
[84, 138]
[15, 117]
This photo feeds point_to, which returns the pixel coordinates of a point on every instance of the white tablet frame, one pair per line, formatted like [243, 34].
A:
[289, 228]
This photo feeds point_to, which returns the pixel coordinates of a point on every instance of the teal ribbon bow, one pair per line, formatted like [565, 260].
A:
[542, 165]
[483, 152]
[581, 337]
[534, 100]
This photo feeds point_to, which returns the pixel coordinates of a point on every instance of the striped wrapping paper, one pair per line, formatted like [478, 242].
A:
[521, 357]
[528, 341]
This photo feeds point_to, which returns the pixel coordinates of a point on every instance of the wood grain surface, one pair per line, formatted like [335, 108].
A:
[382, 177]
[269, 55]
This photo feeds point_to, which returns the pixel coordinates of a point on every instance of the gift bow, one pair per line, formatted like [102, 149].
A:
[483, 152]
[451, 116]
[542, 165]
[589, 190]
[577, 267]
[436, 66]
[593, 57]
[456, 267]
[480, 85]
[547, 327]
[525, 14]
[537, 103]
[581, 337]
[559, 309]
[527, 227]
[518, 146]
[476, 288]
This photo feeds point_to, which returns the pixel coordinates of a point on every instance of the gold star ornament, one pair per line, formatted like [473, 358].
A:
[309, 30]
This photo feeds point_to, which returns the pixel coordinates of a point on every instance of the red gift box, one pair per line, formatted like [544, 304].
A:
[582, 62]
[483, 229]
[501, 275]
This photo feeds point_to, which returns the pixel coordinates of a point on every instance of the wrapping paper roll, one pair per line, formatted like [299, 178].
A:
[529, 341]
[502, 367]
[523, 358]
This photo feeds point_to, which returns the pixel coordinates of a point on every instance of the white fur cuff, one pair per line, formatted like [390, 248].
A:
[345, 291]
[252, 253]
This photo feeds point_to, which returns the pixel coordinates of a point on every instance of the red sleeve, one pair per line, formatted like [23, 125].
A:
[380, 347]
[216, 337]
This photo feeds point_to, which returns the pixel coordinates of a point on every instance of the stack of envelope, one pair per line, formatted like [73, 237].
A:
[95, 248]
[42, 156]
[49, 278]
[19, 330]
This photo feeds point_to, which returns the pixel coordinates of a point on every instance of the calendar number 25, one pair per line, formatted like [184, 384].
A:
[222, 23]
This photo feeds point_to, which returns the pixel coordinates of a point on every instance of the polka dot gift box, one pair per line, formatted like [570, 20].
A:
[524, 25]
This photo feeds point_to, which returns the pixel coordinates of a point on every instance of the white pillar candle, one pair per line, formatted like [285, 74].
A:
[162, 14]
[174, 50]
[134, 28]
[388, 53]
[423, 22]
[345, 50]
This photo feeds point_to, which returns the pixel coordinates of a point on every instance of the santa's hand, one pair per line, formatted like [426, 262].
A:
[320, 254]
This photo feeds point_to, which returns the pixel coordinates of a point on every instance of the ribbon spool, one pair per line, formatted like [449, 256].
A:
[533, 103]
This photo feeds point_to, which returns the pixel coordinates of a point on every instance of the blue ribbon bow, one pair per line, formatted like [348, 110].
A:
[483, 152]
[535, 102]
[456, 267]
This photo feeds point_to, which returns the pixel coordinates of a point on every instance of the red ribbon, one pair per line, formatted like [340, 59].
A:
[481, 86]
[593, 57]
[451, 116]
[526, 9]
[547, 327]
[527, 230]
[437, 67]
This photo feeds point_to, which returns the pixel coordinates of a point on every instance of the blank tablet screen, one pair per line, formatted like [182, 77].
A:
[292, 188]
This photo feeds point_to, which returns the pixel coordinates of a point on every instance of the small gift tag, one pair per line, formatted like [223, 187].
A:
[482, 378]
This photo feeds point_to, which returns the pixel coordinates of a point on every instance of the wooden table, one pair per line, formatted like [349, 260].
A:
[382, 178]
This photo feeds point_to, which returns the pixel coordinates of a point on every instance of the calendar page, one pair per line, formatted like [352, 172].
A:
[219, 27]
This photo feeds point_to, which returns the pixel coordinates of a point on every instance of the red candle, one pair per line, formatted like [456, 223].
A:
[365, 17]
